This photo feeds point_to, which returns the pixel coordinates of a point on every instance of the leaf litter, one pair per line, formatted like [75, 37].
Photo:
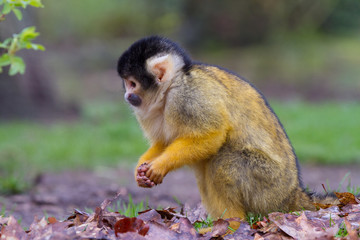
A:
[340, 221]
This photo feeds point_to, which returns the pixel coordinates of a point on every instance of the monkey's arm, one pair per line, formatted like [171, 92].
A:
[154, 151]
[185, 151]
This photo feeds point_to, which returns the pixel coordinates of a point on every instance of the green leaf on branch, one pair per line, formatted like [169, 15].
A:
[28, 34]
[18, 14]
[25, 38]
[18, 41]
[6, 43]
[35, 46]
[36, 3]
[4, 60]
[17, 66]
[6, 9]
[12, 5]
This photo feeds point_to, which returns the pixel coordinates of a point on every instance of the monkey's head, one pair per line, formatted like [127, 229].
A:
[149, 65]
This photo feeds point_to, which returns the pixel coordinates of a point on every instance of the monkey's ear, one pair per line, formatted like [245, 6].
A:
[164, 67]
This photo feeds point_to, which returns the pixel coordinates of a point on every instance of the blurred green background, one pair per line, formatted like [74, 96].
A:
[67, 111]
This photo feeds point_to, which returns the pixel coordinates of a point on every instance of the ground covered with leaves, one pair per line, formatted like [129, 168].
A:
[174, 213]
[342, 221]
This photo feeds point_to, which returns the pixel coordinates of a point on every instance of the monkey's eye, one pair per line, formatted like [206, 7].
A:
[132, 84]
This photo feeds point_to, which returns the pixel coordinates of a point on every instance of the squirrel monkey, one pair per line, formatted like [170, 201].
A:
[215, 122]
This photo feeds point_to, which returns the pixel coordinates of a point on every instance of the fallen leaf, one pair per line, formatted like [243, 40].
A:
[131, 225]
[243, 232]
[3, 220]
[271, 236]
[220, 227]
[185, 226]
[194, 214]
[353, 235]
[346, 198]
[12, 230]
[169, 213]
[52, 220]
[38, 224]
[300, 227]
[78, 217]
[130, 236]
[167, 224]
[159, 231]
[149, 215]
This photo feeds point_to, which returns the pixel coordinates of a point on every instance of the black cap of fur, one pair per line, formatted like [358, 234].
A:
[132, 62]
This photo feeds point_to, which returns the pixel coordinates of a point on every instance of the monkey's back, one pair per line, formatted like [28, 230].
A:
[255, 170]
[252, 121]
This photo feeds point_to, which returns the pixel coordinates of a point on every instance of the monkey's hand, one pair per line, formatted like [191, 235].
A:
[141, 179]
[156, 173]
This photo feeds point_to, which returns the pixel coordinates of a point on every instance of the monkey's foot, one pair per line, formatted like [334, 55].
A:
[141, 178]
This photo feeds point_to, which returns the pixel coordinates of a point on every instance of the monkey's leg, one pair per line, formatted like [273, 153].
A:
[249, 181]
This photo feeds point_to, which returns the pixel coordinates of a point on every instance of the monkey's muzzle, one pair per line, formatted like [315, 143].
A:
[133, 99]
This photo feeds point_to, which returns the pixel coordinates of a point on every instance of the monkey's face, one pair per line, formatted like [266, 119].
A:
[133, 92]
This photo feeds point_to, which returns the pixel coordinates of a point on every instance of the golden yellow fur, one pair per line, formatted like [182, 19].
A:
[220, 126]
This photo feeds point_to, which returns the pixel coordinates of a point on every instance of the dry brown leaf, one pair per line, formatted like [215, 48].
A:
[194, 214]
[98, 216]
[271, 236]
[167, 225]
[346, 198]
[12, 230]
[352, 233]
[169, 213]
[131, 225]
[3, 220]
[243, 232]
[159, 231]
[52, 220]
[150, 215]
[219, 228]
[302, 227]
[175, 227]
[184, 227]
[130, 236]
[78, 217]
[38, 224]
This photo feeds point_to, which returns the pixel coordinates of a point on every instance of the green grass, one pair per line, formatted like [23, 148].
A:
[349, 187]
[130, 209]
[203, 223]
[108, 135]
[2, 211]
[342, 232]
[322, 132]
[253, 219]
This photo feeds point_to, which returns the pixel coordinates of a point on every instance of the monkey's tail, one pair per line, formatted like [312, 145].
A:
[312, 201]
[328, 199]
